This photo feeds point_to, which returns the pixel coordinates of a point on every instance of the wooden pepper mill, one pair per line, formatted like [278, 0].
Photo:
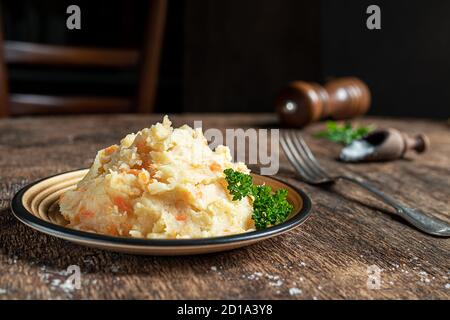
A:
[301, 103]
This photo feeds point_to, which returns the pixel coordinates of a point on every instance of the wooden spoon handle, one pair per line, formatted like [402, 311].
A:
[420, 143]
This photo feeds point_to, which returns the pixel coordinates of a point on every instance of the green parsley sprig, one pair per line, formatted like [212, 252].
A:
[269, 208]
[344, 133]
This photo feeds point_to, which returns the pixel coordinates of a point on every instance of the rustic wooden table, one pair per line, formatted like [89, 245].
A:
[327, 257]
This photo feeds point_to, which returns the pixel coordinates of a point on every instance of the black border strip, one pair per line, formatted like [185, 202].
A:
[26, 217]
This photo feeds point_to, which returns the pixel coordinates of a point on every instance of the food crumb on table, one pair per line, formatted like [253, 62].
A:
[277, 283]
[295, 291]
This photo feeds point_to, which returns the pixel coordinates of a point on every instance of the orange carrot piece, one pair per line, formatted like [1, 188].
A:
[122, 204]
[142, 148]
[111, 149]
[86, 213]
[215, 167]
[134, 171]
[76, 219]
[112, 230]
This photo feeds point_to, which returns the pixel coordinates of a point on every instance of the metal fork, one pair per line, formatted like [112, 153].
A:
[309, 169]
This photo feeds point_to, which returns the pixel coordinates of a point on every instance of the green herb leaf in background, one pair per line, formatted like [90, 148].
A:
[269, 208]
[344, 133]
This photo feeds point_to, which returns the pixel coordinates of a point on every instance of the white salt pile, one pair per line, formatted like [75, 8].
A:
[356, 151]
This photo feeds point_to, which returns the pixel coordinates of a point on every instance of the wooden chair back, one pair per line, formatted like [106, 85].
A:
[146, 60]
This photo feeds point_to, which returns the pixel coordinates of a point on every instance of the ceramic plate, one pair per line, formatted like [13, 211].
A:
[36, 205]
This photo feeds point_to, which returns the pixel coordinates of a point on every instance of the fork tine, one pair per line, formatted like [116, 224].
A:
[292, 155]
[313, 158]
[311, 166]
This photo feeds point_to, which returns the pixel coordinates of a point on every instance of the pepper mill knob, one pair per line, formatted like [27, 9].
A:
[301, 103]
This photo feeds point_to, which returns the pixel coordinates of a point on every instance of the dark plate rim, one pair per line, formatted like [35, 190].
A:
[26, 217]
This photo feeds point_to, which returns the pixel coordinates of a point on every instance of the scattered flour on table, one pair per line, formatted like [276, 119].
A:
[115, 268]
[3, 291]
[216, 269]
[274, 281]
[253, 276]
[67, 286]
[12, 260]
[424, 277]
[89, 260]
[56, 279]
[294, 291]
[277, 283]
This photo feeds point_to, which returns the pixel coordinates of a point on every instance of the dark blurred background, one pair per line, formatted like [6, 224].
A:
[235, 55]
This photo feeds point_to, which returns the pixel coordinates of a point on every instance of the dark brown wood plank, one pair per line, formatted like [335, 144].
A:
[325, 258]
[231, 65]
[29, 104]
[4, 102]
[146, 94]
[17, 52]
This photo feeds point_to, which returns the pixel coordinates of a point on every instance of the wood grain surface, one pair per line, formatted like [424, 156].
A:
[327, 257]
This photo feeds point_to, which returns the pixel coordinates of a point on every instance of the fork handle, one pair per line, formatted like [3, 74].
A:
[416, 217]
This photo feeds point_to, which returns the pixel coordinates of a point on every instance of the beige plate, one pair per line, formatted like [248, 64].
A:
[36, 205]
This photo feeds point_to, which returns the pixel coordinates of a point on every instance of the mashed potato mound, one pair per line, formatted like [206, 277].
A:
[159, 183]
